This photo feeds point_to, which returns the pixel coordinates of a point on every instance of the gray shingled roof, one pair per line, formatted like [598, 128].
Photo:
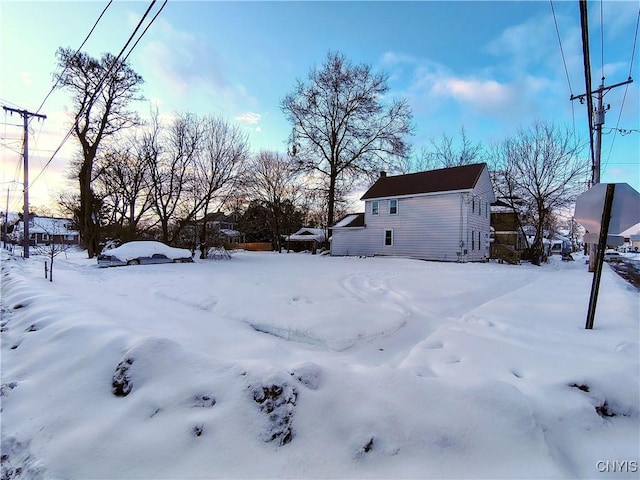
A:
[441, 180]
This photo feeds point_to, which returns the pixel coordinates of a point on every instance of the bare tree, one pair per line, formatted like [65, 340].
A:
[55, 229]
[217, 166]
[541, 166]
[447, 153]
[123, 183]
[102, 89]
[171, 158]
[272, 179]
[341, 128]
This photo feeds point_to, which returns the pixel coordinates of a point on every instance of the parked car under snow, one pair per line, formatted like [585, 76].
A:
[143, 253]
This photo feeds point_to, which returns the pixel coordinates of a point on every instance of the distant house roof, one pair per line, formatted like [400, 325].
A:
[51, 226]
[229, 232]
[308, 234]
[433, 181]
[351, 220]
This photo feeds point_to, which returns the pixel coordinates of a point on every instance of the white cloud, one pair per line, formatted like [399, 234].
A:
[248, 117]
[485, 94]
[186, 66]
[26, 78]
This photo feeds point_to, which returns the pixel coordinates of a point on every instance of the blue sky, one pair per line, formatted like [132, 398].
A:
[490, 67]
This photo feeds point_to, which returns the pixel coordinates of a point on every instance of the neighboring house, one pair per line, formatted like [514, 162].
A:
[508, 238]
[220, 230]
[47, 230]
[439, 215]
[306, 239]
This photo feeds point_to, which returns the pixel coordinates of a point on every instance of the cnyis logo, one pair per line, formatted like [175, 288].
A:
[613, 466]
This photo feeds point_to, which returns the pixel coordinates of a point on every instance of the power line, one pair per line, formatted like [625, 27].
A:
[25, 117]
[622, 131]
[564, 61]
[624, 97]
[55, 85]
[602, 41]
[104, 77]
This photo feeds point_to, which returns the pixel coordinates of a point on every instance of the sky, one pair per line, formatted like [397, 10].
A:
[491, 68]
[369, 367]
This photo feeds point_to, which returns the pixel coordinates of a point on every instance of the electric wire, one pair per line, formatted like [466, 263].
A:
[101, 82]
[564, 62]
[602, 41]
[55, 85]
[624, 96]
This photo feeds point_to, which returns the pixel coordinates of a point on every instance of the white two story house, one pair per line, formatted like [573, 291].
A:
[441, 215]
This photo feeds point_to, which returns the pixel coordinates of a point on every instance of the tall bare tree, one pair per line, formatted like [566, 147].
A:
[340, 126]
[102, 90]
[447, 152]
[123, 183]
[222, 154]
[541, 166]
[171, 158]
[272, 179]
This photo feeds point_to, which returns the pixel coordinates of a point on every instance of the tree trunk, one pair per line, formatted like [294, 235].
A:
[331, 200]
[132, 224]
[87, 225]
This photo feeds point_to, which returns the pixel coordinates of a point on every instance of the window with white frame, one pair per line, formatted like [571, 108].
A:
[375, 207]
[388, 237]
[393, 206]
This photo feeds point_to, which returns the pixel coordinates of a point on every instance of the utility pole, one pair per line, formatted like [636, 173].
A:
[25, 117]
[598, 122]
[6, 220]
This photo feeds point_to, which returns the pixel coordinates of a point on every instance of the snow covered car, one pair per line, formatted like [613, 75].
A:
[143, 253]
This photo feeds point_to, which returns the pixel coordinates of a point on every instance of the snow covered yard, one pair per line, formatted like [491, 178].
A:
[291, 365]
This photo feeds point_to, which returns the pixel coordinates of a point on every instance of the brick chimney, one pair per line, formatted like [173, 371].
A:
[383, 174]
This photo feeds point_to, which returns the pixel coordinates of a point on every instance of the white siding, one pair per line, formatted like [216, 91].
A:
[430, 227]
[479, 219]
[350, 241]
[426, 227]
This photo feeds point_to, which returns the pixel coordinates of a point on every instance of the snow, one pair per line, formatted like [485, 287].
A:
[346, 221]
[307, 234]
[305, 366]
[137, 249]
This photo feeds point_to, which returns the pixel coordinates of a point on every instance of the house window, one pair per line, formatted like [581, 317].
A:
[473, 205]
[393, 207]
[375, 207]
[479, 246]
[473, 240]
[388, 237]
[479, 208]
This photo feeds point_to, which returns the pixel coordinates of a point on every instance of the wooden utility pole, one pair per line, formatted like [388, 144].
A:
[25, 117]
[598, 122]
[6, 220]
